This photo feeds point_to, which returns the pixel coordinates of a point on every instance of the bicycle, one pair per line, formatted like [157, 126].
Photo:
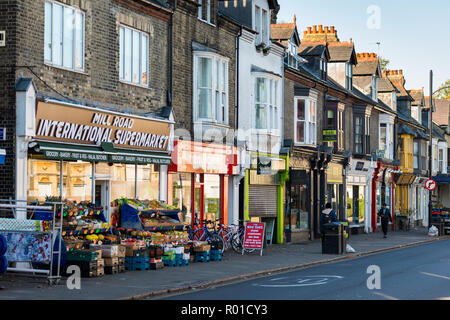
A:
[207, 233]
[237, 238]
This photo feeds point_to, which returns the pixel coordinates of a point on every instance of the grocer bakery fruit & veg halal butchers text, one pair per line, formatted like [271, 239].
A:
[96, 134]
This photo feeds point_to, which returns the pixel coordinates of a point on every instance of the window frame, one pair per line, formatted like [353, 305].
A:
[349, 76]
[273, 101]
[223, 88]
[258, 14]
[310, 120]
[74, 40]
[141, 35]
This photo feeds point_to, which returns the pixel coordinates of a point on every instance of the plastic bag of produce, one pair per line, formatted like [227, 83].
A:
[433, 231]
[349, 248]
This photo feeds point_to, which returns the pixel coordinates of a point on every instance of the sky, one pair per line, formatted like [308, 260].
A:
[413, 34]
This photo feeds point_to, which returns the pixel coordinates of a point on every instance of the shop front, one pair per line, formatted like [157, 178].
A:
[93, 156]
[359, 181]
[198, 180]
[419, 201]
[299, 192]
[265, 192]
[334, 192]
[404, 199]
[384, 191]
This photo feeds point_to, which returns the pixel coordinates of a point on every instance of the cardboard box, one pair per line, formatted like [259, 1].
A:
[203, 247]
[109, 251]
[129, 250]
[111, 262]
[122, 251]
[100, 272]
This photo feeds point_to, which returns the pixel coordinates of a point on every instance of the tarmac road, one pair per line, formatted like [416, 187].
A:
[420, 272]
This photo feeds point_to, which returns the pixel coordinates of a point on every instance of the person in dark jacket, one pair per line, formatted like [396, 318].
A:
[327, 216]
[385, 216]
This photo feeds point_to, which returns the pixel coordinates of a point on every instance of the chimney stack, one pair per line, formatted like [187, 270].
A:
[319, 33]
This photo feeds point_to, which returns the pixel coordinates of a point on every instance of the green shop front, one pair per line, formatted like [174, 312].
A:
[97, 156]
[265, 193]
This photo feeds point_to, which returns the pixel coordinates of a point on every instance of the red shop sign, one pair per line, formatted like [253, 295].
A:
[254, 236]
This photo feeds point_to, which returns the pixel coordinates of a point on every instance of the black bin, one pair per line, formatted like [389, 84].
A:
[333, 241]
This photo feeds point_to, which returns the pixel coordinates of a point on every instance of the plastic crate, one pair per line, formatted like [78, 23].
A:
[169, 263]
[215, 255]
[203, 256]
[137, 266]
[131, 260]
[77, 255]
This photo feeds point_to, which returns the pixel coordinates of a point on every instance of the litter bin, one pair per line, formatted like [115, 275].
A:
[333, 239]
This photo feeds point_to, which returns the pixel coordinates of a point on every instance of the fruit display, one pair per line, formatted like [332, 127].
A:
[146, 205]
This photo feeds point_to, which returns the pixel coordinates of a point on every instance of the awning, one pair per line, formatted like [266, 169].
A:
[405, 179]
[442, 179]
[104, 153]
[421, 135]
[406, 130]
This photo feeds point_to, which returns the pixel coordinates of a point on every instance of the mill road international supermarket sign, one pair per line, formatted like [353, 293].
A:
[81, 125]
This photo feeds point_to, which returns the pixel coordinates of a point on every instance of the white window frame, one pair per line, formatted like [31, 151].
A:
[273, 103]
[208, 11]
[122, 56]
[416, 154]
[50, 61]
[375, 89]
[310, 122]
[219, 110]
[349, 76]
[258, 12]
[386, 144]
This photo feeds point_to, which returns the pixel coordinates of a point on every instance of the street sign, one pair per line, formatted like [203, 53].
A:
[430, 184]
[254, 236]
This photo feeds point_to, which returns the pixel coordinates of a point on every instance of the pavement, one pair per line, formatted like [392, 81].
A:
[233, 267]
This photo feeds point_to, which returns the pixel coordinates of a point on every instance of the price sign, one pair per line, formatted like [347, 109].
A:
[430, 184]
[254, 236]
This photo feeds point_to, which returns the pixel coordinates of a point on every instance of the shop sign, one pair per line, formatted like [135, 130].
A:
[90, 157]
[90, 126]
[359, 166]
[254, 236]
[380, 154]
[198, 157]
[329, 135]
[264, 165]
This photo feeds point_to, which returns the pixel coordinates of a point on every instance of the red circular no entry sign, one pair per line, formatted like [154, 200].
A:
[430, 184]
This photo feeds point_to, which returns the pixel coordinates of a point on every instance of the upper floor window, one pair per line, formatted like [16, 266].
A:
[211, 88]
[441, 160]
[335, 121]
[305, 115]
[262, 25]
[133, 62]
[348, 76]
[291, 57]
[204, 10]
[267, 111]
[323, 69]
[383, 137]
[416, 155]
[64, 36]
[362, 133]
[375, 89]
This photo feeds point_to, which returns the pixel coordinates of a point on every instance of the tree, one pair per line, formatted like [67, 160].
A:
[384, 63]
[444, 93]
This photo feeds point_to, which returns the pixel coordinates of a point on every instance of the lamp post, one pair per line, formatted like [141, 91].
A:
[430, 159]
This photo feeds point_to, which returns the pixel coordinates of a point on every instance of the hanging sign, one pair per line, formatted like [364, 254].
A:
[329, 135]
[254, 236]
[430, 184]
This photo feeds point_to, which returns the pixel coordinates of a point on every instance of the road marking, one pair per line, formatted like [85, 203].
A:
[435, 275]
[385, 296]
[300, 282]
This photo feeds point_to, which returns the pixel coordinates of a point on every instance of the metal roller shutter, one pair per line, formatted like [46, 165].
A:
[262, 201]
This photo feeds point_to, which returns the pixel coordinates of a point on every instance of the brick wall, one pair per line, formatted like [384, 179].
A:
[98, 84]
[8, 10]
[221, 37]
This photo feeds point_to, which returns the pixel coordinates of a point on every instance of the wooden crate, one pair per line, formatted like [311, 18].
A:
[112, 270]
[110, 262]
[100, 272]
[100, 263]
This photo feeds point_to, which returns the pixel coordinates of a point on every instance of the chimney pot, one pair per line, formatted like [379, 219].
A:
[320, 28]
[327, 30]
[309, 29]
[315, 29]
[332, 29]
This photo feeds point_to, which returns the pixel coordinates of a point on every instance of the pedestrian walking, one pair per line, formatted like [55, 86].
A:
[327, 216]
[385, 216]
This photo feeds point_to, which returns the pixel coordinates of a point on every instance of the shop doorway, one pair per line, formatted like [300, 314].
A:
[102, 196]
